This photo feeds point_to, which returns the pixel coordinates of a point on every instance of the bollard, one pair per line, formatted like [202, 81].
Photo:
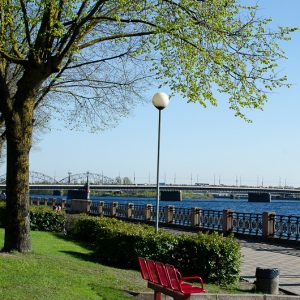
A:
[169, 214]
[129, 210]
[195, 216]
[267, 280]
[148, 208]
[100, 208]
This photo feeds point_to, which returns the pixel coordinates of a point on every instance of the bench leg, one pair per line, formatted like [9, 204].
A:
[157, 295]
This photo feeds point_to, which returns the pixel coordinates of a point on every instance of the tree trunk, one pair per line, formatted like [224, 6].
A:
[19, 136]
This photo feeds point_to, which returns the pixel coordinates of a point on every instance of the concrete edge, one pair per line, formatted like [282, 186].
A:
[207, 296]
[286, 291]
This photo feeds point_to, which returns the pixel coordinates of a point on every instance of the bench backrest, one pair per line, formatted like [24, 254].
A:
[172, 274]
[144, 268]
[152, 271]
[162, 274]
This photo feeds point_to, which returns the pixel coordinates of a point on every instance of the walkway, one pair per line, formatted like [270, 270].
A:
[264, 255]
[287, 259]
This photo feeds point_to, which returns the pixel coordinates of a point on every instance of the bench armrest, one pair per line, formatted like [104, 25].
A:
[193, 279]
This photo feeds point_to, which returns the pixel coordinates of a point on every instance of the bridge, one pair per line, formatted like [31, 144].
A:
[152, 187]
[100, 182]
[80, 178]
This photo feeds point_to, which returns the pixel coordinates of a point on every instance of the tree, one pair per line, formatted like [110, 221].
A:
[86, 59]
[127, 180]
[118, 180]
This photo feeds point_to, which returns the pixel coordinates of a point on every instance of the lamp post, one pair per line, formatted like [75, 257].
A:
[87, 185]
[160, 101]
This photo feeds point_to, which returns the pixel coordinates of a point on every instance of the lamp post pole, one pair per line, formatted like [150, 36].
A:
[157, 173]
[87, 185]
[160, 101]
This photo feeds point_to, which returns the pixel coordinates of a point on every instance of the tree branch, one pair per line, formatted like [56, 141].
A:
[114, 37]
[12, 59]
[125, 20]
[12, 32]
[25, 17]
[98, 61]
[77, 29]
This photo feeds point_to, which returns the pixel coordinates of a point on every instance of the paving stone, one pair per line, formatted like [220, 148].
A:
[286, 259]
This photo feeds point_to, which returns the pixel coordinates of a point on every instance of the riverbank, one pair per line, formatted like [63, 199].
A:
[62, 269]
[149, 194]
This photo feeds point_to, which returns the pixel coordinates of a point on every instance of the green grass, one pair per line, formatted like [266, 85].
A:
[60, 269]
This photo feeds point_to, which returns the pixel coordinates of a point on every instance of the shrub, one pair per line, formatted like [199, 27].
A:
[2, 213]
[43, 218]
[118, 243]
[216, 258]
[124, 242]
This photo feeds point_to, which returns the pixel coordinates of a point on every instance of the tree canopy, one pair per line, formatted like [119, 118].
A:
[89, 61]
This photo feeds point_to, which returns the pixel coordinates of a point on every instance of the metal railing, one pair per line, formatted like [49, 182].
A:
[255, 224]
[211, 219]
[287, 227]
[247, 223]
[182, 216]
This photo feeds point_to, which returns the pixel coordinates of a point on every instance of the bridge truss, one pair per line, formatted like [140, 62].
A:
[93, 178]
[34, 177]
[81, 178]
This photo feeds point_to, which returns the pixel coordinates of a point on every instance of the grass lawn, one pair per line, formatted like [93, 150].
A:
[60, 269]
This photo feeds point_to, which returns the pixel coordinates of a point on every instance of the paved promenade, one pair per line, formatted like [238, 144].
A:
[286, 259]
[265, 255]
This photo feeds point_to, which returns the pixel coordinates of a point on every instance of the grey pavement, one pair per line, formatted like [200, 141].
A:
[267, 255]
[286, 259]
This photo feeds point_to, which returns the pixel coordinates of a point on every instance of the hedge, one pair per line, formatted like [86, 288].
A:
[118, 243]
[2, 213]
[42, 218]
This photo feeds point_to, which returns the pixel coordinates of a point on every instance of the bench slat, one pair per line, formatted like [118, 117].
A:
[166, 279]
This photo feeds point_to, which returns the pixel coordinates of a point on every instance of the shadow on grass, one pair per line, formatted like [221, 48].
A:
[81, 256]
[82, 244]
[91, 256]
[77, 254]
[109, 292]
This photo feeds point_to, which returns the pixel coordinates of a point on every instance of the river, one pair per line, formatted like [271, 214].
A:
[281, 207]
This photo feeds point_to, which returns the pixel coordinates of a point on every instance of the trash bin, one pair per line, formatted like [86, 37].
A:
[267, 280]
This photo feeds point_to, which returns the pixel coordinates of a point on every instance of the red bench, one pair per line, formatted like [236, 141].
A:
[166, 279]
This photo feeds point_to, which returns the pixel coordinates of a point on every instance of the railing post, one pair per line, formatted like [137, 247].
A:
[169, 214]
[113, 209]
[100, 208]
[268, 224]
[63, 204]
[79, 205]
[195, 217]
[129, 210]
[227, 221]
[147, 212]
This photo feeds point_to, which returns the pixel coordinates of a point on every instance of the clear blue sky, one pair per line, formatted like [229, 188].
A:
[205, 144]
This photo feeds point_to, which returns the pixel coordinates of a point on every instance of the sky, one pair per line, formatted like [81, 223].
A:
[207, 145]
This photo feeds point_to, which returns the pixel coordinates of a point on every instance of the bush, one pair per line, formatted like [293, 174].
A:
[216, 258]
[118, 243]
[43, 218]
[2, 213]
